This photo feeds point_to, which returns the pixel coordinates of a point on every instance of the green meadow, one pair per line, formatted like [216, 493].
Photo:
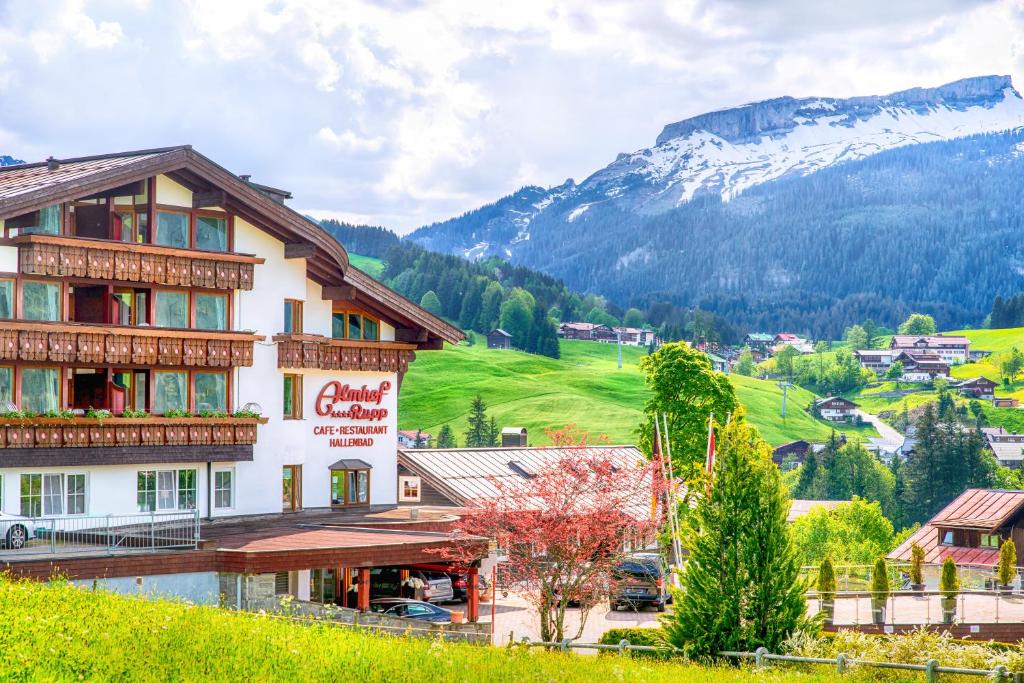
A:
[369, 265]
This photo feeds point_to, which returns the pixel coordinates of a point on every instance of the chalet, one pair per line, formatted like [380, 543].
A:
[215, 362]
[971, 529]
[998, 402]
[921, 366]
[876, 360]
[1008, 447]
[499, 339]
[578, 330]
[799, 343]
[758, 341]
[410, 438]
[794, 451]
[951, 350]
[636, 336]
[798, 507]
[977, 387]
[513, 437]
[718, 364]
[836, 409]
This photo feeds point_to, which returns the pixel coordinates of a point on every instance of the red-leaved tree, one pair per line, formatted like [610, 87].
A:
[565, 528]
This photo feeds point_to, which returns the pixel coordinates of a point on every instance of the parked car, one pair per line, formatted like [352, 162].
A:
[431, 586]
[15, 531]
[405, 608]
[459, 582]
[640, 581]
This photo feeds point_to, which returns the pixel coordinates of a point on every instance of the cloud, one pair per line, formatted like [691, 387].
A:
[405, 113]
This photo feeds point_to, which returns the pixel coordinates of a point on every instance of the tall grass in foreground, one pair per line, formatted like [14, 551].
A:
[60, 632]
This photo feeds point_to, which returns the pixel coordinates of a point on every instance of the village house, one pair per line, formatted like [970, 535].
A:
[760, 342]
[876, 360]
[977, 387]
[630, 336]
[499, 339]
[793, 453]
[970, 529]
[798, 507]
[802, 345]
[513, 437]
[1008, 447]
[718, 364]
[922, 367]
[578, 330]
[191, 355]
[410, 438]
[950, 349]
[1004, 402]
[836, 409]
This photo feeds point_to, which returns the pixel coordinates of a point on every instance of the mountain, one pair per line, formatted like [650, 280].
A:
[6, 160]
[740, 187]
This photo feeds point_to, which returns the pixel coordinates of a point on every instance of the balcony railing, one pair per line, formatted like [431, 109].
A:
[132, 262]
[109, 534]
[155, 430]
[68, 342]
[324, 353]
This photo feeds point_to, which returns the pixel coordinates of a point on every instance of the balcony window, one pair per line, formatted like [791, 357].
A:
[171, 309]
[6, 299]
[211, 233]
[990, 540]
[40, 300]
[292, 316]
[211, 391]
[45, 221]
[211, 311]
[6, 383]
[170, 392]
[40, 390]
[355, 326]
[172, 229]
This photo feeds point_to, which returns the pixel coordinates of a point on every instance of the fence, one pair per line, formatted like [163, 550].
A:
[855, 577]
[931, 669]
[102, 534]
[980, 606]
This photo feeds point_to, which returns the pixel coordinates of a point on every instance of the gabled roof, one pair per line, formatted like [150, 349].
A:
[985, 509]
[760, 336]
[466, 474]
[904, 340]
[498, 330]
[934, 553]
[29, 187]
[798, 507]
[847, 402]
[973, 380]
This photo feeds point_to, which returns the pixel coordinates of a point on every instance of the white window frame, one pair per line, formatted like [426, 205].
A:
[230, 489]
[45, 506]
[402, 480]
[84, 494]
[173, 493]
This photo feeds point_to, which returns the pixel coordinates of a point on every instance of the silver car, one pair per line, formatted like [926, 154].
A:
[15, 531]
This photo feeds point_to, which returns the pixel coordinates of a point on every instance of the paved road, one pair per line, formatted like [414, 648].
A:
[887, 434]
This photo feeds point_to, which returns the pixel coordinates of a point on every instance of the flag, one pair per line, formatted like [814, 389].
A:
[709, 461]
[659, 469]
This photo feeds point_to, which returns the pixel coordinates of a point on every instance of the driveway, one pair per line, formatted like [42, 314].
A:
[887, 434]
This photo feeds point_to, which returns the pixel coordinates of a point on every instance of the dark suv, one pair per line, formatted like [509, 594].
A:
[639, 580]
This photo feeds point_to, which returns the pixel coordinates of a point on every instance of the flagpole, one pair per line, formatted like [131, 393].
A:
[677, 545]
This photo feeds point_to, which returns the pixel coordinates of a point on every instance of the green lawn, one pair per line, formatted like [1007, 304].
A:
[584, 387]
[369, 265]
[63, 633]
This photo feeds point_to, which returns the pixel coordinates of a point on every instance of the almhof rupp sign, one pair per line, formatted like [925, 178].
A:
[362, 404]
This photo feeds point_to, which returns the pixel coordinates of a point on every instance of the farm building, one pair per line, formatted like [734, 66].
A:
[513, 437]
[499, 339]
[836, 409]
[977, 387]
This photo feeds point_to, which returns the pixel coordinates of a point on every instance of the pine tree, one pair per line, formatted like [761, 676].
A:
[446, 438]
[742, 589]
[478, 434]
[493, 433]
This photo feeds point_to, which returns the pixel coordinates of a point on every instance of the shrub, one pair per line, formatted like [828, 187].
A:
[949, 584]
[1007, 562]
[916, 564]
[654, 637]
[880, 580]
[827, 580]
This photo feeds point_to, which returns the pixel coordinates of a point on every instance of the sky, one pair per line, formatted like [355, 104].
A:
[403, 113]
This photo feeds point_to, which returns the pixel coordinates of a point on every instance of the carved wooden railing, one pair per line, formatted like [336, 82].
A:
[63, 342]
[324, 353]
[81, 432]
[132, 262]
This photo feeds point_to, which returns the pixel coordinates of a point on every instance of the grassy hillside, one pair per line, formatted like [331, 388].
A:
[369, 265]
[584, 387]
[59, 632]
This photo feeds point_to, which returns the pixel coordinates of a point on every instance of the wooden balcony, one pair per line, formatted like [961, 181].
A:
[81, 432]
[68, 343]
[131, 262]
[324, 353]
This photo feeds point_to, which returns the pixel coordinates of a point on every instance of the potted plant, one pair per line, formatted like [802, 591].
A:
[879, 591]
[916, 567]
[1007, 571]
[949, 586]
[827, 589]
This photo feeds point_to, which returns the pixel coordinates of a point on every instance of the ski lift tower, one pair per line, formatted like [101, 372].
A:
[784, 385]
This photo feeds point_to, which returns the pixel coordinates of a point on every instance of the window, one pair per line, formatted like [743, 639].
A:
[53, 494]
[350, 487]
[6, 299]
[990, 540]
[293, 397]
[291, 488]
[171, 229]
[170, 392]
[224, 489]
[211, 311]
[45, 221]
[292, 316]
[160, 490]
[351, 325]
[40, 390]
[281, 583]
[171, 308]
[40, 300]
[947, 538]
[6, 384]
[408, 489]
[211, 233]
[211, 391]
